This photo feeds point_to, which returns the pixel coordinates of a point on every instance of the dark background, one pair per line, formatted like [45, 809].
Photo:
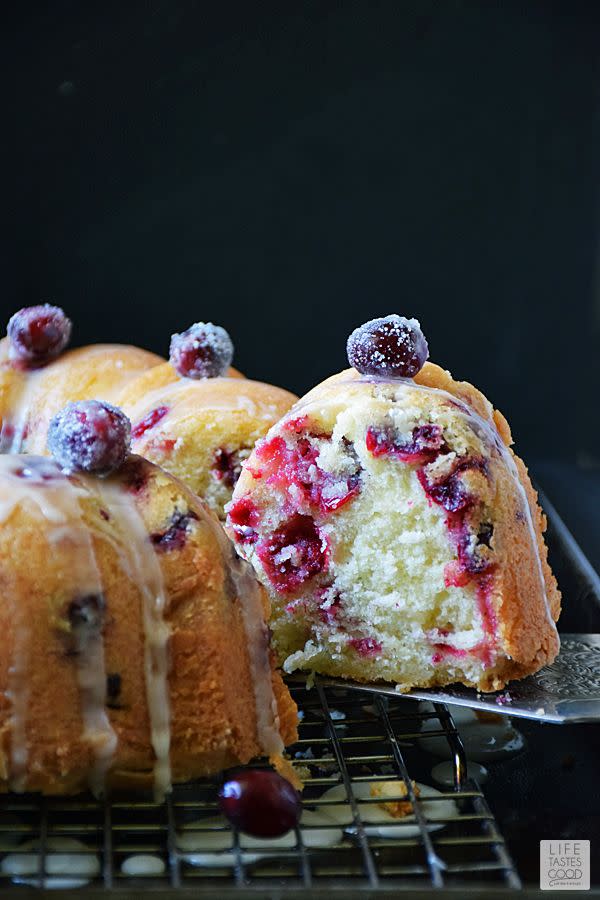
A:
[291, 169]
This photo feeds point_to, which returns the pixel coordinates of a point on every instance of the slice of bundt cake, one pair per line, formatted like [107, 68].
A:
[198, 418]
[397, 533]
[135, 650]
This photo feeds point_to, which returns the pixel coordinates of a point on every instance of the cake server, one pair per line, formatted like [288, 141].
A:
[565, 692]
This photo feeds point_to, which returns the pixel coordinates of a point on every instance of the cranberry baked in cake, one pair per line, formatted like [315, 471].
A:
[197, 417]
[397, 533]
[135, 651]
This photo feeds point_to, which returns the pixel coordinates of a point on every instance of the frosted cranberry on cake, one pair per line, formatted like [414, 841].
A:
[397, 533]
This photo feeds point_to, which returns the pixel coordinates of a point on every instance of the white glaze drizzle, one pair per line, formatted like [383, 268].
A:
[140, 559]
[248, 594]
[467, 412]
[41, 483]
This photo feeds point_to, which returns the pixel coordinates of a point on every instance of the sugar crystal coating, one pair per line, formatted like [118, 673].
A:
[38, 334]
[90, 436]
[392, 346]
[203, 351]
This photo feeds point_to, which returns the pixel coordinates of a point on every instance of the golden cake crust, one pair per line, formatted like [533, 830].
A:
[29, 398]
[213, 721]
[203, 420]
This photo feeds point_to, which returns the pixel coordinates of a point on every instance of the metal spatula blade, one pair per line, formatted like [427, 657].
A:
[565, 692]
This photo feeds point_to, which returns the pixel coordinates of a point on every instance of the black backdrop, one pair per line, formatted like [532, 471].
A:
[290, 169]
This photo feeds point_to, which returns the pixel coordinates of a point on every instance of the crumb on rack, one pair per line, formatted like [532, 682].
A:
[397, 807]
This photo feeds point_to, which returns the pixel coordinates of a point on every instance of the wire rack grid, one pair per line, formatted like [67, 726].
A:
[347, 740]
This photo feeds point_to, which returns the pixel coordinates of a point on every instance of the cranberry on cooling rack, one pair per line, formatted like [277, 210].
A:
[89, 436]
[260, 802]
[38, 334]
[203, 351]
[392, 347]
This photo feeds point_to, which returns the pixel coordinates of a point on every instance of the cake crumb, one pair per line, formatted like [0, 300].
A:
[397, 808]
[503, 699]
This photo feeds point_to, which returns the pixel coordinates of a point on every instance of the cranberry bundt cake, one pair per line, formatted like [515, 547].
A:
[135, 650]
[37, 379]
[397, 533]
[201, 427]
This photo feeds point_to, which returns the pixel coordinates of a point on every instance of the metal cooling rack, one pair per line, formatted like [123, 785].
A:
[344, 739]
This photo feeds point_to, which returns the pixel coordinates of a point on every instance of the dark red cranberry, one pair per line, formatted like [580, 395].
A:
[89, 436]
[473, 554]
[366, 646]
[175, 536]
[455, 575]
[294, 553]
[243, 518]
[297, 464]
[424, 445]
[329, 614]
[392, 347]
[38, 469]
[113, 690]
[149, 421]
[450, 492]
[260, 802]
[7, 437]
[243, 512]
[203, 351]
[485, 534]
[227, 466]
[135, 474]
[86, 614]
[38, 334]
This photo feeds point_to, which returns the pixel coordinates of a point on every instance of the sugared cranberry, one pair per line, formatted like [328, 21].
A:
[89, 436]
[38, 334]
[294, 553]
[149, 421]
[423, 446]
[260, 803]
[392, 347]
[203, 351]
[175, 536]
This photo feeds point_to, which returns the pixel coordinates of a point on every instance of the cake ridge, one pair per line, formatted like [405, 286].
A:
[63, 514]
[148, 575]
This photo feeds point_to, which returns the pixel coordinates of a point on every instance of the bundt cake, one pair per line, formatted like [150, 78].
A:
[397, 533]
[196, 415]
[201, 429]
[135, 650]
[37, 379]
